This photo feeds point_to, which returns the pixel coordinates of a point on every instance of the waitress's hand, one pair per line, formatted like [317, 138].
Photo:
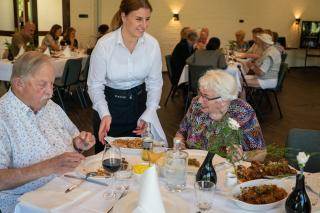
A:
[104, 127]
[141, 127]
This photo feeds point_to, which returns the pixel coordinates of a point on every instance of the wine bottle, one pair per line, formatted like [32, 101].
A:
[298, 200]
[206, 171]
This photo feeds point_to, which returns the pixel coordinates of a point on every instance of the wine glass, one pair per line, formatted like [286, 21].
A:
[111, 162]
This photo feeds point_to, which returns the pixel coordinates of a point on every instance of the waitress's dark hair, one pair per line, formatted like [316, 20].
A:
[53, 31]
[213, 44]
[126, 7]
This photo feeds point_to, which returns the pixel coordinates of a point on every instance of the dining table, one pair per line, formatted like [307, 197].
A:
[89, 197]
[58, 62]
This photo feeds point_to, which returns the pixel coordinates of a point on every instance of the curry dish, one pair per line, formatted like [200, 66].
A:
[263, 194]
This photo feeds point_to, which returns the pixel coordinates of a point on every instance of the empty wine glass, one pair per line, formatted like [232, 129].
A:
[204, 194]
[111, 162]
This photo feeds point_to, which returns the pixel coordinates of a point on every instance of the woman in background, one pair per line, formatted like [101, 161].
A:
[51, 40]
[69, 39]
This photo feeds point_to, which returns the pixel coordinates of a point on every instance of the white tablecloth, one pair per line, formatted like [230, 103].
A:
[58, 63]
[231, 69]
[93, 200]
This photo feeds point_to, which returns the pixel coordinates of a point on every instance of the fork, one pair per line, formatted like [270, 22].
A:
[123, 194]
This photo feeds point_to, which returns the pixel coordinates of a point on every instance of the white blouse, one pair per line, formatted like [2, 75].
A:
[113, 65]
[27, 138]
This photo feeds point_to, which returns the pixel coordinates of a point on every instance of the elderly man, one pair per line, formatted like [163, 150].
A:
[22, 38]
[37, 139]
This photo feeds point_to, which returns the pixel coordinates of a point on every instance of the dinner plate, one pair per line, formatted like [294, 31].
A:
[128, 151]
[90, 165]
[256, 207]
[172, 203]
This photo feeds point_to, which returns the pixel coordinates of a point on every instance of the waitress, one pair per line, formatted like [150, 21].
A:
[125, 79]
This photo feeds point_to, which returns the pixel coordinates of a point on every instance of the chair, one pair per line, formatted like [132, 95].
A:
[195, 72]
[70, 77]
[304, 140]
[174, 86]
[83, 80]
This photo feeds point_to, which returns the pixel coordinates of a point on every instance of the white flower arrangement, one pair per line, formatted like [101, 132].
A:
[233, 124]
[302, 158]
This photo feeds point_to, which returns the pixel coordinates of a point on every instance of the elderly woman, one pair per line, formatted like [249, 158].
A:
[267, 67]
[218, 98]
[241, 44]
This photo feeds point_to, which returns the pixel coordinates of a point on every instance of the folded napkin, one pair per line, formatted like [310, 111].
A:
[150, 200]
[67, 52]
[50, 198]
[21, 52]
[47, 52]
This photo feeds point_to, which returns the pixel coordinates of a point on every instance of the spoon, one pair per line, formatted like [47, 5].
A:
[89, 174]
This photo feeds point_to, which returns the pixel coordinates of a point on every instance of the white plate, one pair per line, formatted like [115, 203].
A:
[255, 207]
[127, 151]
[90, 165]
[172, 204]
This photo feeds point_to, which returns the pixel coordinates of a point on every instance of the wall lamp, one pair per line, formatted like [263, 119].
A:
[297, 21]
[176, 17]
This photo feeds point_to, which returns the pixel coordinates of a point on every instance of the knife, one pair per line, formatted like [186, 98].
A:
[88, 180]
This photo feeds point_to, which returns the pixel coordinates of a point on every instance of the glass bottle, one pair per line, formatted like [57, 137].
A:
[298, 200]
[206, 171]
[147, 143]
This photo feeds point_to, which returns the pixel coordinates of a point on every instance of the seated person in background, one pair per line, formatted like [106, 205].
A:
[254, 51]
[218, 98]
[241, 44]
[203, 38]
[69, 39]
[102, 30]
[210, 56]
[37, 139]
[184, 32]
[181, 52]
[22, 38]
[51, 40]
[265, 69]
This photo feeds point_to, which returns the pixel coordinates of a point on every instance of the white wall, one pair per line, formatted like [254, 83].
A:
[49, 13]
[6, 15]
[221, 17]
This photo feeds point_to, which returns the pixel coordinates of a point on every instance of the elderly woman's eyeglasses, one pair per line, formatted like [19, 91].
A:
[207, 98]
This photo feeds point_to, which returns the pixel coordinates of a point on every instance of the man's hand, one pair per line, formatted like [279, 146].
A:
[84, 141]
[141, 127]
[65, 162]
[104, 127]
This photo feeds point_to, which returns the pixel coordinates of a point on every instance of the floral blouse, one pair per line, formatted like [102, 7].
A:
[194, 125]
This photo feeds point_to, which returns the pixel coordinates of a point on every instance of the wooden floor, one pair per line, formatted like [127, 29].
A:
[299, 100]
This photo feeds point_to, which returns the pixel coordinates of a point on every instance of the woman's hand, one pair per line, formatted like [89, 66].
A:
[141, 127]
[84, 141]
[104, 127]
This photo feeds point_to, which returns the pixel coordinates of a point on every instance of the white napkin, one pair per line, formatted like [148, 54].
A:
[21, 51]
[67, 52]
[47, 52]
[50, 198]
[150, 200]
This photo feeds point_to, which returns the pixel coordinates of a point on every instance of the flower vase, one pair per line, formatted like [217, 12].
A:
[298, 200]
[206, 171]
[10, 55]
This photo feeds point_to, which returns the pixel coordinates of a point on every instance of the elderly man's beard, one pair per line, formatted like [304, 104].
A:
[44, 99]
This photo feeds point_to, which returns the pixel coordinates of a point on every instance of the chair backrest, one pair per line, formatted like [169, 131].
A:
[72, 70]
[195, 72]
[281, 75]
[85, 70]
[169, 67]
[304, 140]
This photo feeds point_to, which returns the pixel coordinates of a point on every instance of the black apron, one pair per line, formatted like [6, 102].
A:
[126, 107]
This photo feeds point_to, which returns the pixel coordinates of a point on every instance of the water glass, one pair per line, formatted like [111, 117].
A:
[204, 194]
[175, 170]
